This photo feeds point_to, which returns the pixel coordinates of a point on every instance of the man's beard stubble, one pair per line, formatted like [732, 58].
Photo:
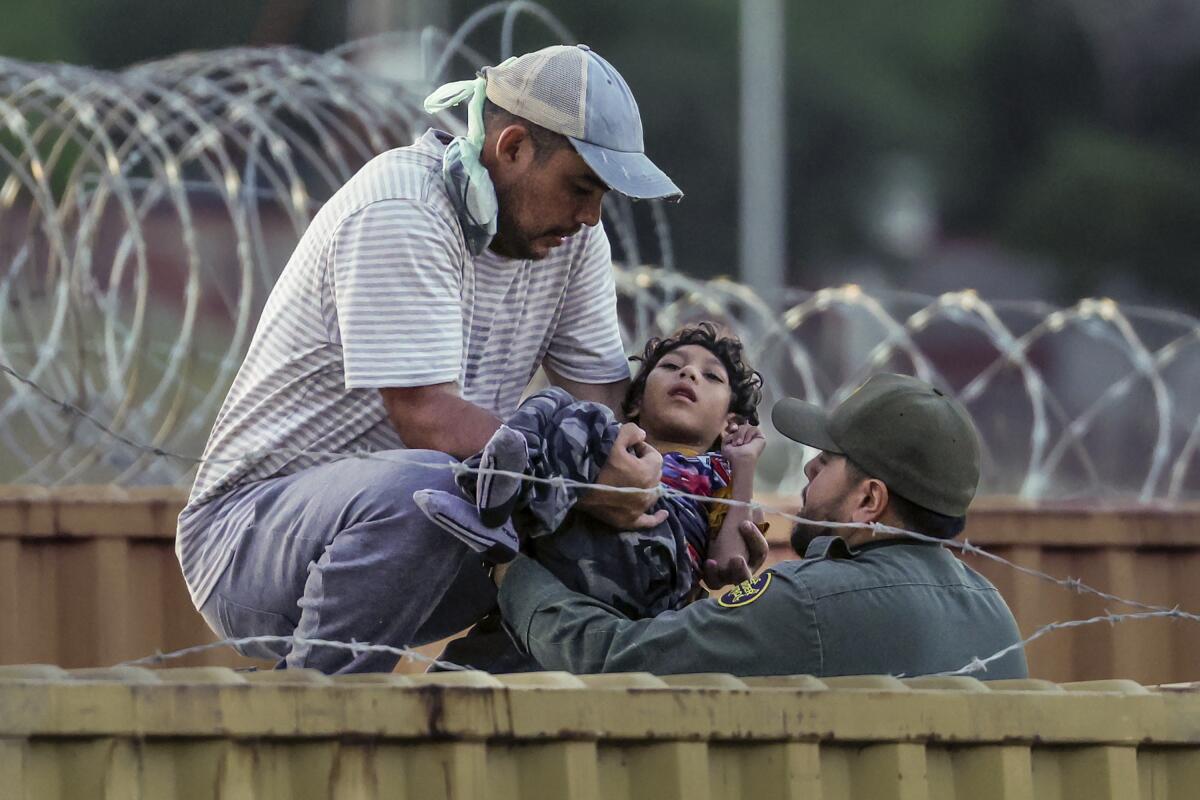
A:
[804, 533]
[513, 242]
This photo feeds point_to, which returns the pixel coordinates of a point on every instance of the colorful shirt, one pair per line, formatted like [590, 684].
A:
[704, 474]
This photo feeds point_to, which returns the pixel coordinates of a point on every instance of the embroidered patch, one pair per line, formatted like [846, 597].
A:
[745, 592]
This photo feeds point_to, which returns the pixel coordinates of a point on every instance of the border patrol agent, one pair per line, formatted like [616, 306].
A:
[897, 452]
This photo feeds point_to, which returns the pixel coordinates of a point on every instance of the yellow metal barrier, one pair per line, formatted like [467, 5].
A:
[213, 733]
[88, 576]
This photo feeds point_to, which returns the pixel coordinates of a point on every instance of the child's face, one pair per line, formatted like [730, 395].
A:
[687, 397]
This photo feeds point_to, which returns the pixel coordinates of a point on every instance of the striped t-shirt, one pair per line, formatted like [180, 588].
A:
[382, 292]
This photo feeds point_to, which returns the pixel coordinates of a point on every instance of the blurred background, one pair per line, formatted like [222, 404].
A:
[1029, 149]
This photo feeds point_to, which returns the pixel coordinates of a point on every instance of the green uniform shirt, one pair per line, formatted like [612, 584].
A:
[894, 607]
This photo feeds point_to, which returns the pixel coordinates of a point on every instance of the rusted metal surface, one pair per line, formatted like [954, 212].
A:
[88, 577]
[182, 733]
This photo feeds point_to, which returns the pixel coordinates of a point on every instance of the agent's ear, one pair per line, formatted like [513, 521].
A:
[870, 500]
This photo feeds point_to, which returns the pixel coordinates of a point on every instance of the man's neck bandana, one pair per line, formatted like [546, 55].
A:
[466, 178]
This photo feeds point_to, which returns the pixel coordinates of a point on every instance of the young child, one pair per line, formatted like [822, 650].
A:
[696, 399]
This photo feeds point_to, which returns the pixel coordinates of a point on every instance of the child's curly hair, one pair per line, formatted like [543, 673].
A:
[745, 383]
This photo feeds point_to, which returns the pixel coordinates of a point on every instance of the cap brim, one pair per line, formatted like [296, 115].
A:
[632, 174]
[805, 423]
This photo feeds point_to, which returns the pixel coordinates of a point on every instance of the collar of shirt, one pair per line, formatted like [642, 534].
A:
[836, 546]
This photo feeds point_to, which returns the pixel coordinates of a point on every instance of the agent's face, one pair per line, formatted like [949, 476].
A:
[543, 202]
[686, 399]
[825, 499]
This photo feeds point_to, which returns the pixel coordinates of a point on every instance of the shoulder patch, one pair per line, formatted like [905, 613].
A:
[745, 592]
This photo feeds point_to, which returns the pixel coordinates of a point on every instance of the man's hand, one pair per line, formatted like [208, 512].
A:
[742, 445]
[631, 464]
[498, 573]
[738, 569]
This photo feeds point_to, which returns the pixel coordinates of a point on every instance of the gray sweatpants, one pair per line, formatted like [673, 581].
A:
[341, 552]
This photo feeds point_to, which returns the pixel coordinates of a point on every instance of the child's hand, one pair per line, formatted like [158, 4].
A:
[735, 557]
[743, 444]
[732, 570]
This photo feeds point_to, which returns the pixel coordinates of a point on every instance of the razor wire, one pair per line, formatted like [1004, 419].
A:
[145, 214]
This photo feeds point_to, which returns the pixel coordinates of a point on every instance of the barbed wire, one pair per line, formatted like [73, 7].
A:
[972, 667]
[240, 135]
[354, 647]
[562, 483]
[977, 665]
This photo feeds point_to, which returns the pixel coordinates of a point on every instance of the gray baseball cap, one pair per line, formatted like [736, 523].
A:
[569, 89]
[919, 441]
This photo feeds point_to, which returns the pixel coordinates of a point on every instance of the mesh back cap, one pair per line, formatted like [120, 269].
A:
[573, 91]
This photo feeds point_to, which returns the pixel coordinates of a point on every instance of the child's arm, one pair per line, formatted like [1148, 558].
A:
[727, 553]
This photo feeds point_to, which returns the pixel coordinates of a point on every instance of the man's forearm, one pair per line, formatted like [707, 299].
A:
[569, 631]
[461, 429]
[609, 394]
[564, 630]
[435, 418]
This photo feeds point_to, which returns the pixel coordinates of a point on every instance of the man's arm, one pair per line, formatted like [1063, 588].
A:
[436, 418]
[609, 394]
[396, 280]
[759, 628]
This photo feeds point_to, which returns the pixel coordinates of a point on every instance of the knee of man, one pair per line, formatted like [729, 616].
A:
[385, 488]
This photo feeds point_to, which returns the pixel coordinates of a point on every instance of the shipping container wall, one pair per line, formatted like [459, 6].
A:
[213, 733]
[88, 577]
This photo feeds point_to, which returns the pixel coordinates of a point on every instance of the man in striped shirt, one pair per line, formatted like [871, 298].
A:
[411, 316]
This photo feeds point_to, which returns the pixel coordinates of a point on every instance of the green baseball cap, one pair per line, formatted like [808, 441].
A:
[917, 440]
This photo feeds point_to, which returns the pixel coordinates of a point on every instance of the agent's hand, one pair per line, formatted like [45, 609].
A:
[631, 464]
[498, 573]
[743, 444]
[738, 569]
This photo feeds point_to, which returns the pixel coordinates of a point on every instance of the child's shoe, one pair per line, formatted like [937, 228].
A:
[497, 496]
[497, 545]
